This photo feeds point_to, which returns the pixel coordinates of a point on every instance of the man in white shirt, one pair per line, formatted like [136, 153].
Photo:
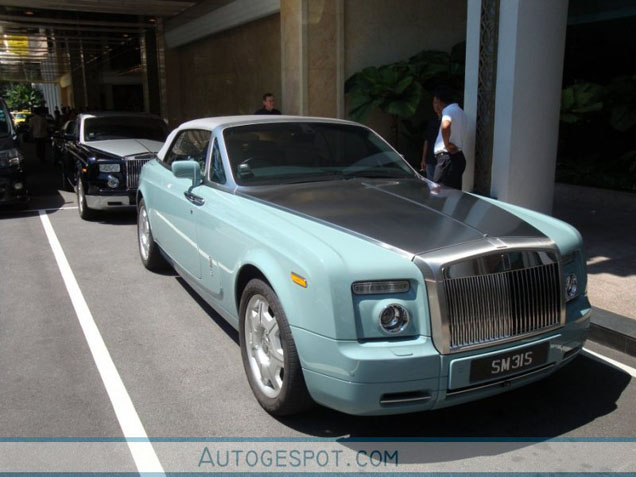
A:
[450, 140]
[39, 131]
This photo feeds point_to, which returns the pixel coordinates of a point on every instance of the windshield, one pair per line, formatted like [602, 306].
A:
[101, 129]
[285, 153]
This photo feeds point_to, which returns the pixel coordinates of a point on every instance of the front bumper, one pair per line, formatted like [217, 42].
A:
[111, 201]
[375, 378]
[9, 194]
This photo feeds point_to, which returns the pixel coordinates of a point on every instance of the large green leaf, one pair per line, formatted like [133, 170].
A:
[360, 113]
[406, 105]
[580, 99]
[623, 118]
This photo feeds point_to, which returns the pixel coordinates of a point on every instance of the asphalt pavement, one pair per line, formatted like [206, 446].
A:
[180, 364]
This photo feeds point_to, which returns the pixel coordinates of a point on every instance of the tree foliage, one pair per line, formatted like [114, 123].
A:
[21, 96]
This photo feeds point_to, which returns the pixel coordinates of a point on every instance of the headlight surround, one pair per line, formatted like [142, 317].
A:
[380, 287]
[109, 168]
[571, 287]
[394, 319]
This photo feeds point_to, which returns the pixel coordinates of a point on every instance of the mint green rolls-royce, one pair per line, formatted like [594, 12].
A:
[353, 281]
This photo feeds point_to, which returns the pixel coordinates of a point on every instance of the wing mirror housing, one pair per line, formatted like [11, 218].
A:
[187, 170]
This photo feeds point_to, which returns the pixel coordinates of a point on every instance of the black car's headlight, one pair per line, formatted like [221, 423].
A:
[10, 157]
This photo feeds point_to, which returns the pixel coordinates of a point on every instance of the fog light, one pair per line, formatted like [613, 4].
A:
[18, 186]
[113, 182]
[394, 319]
[571, 286]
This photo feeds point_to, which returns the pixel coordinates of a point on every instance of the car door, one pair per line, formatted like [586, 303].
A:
[174, 213]
[214, 236]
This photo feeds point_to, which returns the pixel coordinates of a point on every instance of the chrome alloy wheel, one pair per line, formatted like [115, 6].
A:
[144, 233]
[264, 347]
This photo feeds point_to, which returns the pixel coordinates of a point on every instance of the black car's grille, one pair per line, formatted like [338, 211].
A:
[133, 169]
[498, 306]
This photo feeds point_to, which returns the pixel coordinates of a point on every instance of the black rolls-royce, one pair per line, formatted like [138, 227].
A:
[102, 154]
[12, 179]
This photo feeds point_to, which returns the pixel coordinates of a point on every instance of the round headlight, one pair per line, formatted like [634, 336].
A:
[571, 286]
[18, 186]
[113, 182]
[394, 319]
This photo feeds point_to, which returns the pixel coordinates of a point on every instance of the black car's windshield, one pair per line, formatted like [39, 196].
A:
[291, 152]
[101, 129]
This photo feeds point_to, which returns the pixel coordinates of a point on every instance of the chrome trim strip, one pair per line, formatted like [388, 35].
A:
[387, 402]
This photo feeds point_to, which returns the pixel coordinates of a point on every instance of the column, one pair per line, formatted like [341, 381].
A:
[528, 97]
[312, 63]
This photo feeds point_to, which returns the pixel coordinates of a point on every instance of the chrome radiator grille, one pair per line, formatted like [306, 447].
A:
[498, 306]
[133, 169]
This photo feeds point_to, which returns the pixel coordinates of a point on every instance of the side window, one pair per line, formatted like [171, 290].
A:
[70, 128]
[217, 172]
[190, 145]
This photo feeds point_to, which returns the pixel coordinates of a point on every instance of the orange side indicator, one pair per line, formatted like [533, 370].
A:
[298, 280]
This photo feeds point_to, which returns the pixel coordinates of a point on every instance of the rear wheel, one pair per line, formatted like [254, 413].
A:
[269, 354]
[148, 248]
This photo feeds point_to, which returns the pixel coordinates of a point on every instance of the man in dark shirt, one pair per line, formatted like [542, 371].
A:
[268, 105]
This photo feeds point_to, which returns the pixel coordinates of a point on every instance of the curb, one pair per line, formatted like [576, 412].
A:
[612, 330]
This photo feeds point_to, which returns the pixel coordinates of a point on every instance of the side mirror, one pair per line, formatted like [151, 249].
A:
[188, 170]
[70, 137]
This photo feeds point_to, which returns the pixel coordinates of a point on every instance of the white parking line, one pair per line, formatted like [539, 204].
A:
[33, 211]
[142, 451]
[628, 369]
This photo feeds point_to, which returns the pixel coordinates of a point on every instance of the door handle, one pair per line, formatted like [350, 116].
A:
[195, 199]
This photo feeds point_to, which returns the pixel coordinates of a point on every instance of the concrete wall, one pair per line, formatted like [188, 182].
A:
[226, 73]
[378, 32]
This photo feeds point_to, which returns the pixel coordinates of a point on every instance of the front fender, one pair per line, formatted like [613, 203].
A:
[296, 300]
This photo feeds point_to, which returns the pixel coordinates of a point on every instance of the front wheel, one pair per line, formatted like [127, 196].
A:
[269, 354]
[84, 210]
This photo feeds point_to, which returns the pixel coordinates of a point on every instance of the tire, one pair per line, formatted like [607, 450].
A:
[269, 354]
[148, 249]
[84, 210]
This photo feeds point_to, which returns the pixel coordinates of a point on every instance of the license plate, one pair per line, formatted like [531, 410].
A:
[507, 363]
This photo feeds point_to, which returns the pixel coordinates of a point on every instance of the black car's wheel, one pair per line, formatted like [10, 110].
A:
[148, 248]
[269, 354]
[85, 212]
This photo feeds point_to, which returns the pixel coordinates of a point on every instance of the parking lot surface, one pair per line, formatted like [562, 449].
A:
[179, 362]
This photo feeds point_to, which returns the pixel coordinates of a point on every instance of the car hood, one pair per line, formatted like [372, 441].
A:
[125, 147]
[411, 215]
